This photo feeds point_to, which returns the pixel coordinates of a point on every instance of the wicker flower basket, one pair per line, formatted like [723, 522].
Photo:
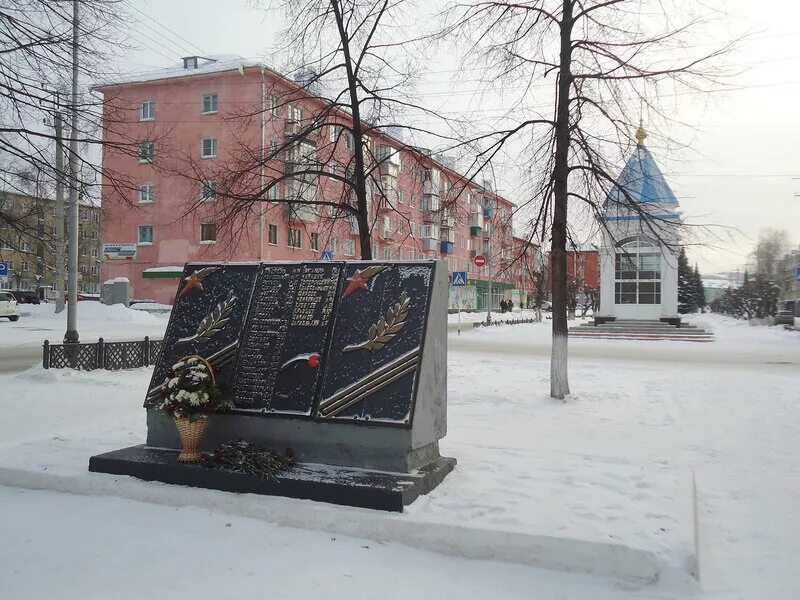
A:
[192, 432]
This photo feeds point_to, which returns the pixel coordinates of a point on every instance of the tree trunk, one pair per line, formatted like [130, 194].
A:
[360, 183]
[559, 382]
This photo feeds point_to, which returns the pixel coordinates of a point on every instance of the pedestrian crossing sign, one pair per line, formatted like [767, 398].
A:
[459, 278]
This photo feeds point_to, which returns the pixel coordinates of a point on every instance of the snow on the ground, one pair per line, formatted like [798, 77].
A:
[38, 322]
[65, 546]
[739, 332]
[614, 463]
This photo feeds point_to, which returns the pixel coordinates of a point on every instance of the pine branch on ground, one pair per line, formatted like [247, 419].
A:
[247, 457]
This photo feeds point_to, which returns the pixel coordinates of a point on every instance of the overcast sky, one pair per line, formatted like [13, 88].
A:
[738, 166]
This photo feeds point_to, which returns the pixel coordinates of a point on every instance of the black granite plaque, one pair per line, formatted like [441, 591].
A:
[377, 343]
[286, 336]
[207, 319]
[329, 341]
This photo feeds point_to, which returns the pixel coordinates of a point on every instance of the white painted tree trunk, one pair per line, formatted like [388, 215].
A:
[559, 383]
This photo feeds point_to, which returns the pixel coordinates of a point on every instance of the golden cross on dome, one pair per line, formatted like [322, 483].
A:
[641, 134]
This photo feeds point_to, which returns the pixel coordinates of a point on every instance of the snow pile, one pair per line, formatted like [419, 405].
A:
[38, 322]
[95, 312]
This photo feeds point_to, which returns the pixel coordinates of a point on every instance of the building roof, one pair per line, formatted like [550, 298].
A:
[216, 63]
[582, 247]
[643, 182]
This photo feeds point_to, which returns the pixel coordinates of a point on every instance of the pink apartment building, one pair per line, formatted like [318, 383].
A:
[171, 127]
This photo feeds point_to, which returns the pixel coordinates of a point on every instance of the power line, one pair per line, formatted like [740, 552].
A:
[173, 32]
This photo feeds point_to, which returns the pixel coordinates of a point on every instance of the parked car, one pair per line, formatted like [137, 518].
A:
[26, 297]
[784, 317]
[9, 307]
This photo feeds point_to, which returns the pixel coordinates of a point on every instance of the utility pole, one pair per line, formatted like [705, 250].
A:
[489, 259]
[59, 218]
[71, 335]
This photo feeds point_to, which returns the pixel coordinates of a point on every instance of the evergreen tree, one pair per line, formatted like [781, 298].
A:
[686, 288]
[699, 289]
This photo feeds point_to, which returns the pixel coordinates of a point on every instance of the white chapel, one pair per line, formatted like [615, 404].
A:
[638, 255]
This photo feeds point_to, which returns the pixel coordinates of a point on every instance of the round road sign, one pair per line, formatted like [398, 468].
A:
[479, 260]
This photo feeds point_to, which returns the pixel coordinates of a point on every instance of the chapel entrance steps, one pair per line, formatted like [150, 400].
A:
[630, 329]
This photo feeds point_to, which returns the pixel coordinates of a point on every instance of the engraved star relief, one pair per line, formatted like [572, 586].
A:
[360, 278]
[195, 280]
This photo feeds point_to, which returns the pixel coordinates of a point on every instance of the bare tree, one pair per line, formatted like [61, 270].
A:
[769, 251]
[352, 79]
[35, 68]
[606, 59]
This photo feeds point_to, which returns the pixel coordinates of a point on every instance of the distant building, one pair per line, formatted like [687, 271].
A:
[29, 244]
[199, 111]
[715, 286]
[583, 266]
[789, 280]
[639, 266]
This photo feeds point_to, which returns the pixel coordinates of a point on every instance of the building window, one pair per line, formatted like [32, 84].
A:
[208, 233]
[26, 265]
[332, 133]
[399, 254]
[315, 241]
[294, 239]
[145, 234]
[147, 152]
[637, 272]
[295, 113]
[272, 193]
[95, 253]
[387, 253]
[95, 270]
[25, 246]
[276, 105]
[147, 193]
[148, 110]
[209, 148]
[273, 234]
[349, 248]
[95, 216]
[274, 148]
[208, 191]
[210, 104]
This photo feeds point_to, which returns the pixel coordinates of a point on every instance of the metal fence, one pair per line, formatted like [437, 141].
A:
[101, 355]
[508, 322]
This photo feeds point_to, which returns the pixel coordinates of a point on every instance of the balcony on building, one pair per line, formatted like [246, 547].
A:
[488, 207]
[446, 247]
[296, 211]
[476, 224]
[448, 220]
[305, 193]
[388, 161]
[291, 128]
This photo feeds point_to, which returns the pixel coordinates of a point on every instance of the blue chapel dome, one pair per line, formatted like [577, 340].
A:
[643, 182]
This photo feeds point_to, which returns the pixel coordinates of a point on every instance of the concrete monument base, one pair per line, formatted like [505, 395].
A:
[325, 483]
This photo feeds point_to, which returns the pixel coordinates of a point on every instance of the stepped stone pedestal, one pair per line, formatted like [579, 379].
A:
[632, 329]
